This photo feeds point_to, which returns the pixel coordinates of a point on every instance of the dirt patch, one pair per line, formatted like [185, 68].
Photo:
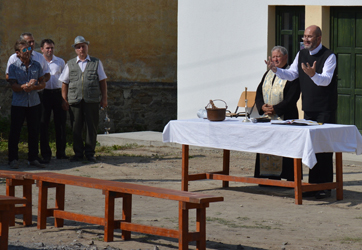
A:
[251, 217]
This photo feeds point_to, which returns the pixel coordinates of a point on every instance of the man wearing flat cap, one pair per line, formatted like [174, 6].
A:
[84, 89]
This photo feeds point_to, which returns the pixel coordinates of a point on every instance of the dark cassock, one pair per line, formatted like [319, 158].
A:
[283, 95]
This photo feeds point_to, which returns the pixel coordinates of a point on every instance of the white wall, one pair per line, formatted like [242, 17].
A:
[222, 45]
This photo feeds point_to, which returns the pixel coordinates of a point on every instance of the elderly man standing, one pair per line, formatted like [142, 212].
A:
[25, 77]
[84, 82]
[315, 66]
[52, 101]
[277, 99]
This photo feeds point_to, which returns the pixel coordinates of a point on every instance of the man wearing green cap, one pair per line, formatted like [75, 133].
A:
[84, 89]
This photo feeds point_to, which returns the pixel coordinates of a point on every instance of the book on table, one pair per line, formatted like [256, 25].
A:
[300, 122]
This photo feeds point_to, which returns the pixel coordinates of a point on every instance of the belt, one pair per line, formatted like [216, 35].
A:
[52, 90]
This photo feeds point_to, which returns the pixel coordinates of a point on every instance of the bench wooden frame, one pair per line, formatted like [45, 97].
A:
[7, 204]
[113, 190]
[13, 179]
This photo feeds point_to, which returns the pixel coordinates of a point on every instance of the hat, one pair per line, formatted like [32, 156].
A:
[78, 40]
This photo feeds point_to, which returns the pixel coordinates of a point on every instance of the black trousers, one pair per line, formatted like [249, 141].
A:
[18, 115]
[323, 171]
[52, 102]
[84, 116]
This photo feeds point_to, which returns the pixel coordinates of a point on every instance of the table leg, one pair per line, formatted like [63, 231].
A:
[185, 168]
[298, 181]
[226, 167]
[339, 176]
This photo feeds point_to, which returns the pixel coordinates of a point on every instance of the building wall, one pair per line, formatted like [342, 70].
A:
[222, 46]
[135, 39]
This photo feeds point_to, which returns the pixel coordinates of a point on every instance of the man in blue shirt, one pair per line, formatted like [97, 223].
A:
[25, 77]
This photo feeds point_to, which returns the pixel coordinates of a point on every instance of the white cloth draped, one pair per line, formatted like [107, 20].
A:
[284, 140]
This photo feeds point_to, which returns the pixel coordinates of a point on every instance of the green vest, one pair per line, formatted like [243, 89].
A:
[83, 85]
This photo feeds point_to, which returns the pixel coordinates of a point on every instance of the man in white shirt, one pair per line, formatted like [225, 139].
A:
[315, 66]
[84, 89]
[52, 101]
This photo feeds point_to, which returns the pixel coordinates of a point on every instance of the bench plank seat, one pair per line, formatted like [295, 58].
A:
[113, 190]
[122, 187]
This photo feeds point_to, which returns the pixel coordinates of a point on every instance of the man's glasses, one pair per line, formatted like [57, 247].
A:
[26, 49]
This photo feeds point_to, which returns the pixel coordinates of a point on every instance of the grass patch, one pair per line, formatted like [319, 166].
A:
[349, 240]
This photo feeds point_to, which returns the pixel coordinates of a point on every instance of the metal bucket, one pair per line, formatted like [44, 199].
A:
[216, 114]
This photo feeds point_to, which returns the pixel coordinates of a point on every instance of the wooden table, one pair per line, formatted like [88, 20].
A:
[298, 142]
[7, 204]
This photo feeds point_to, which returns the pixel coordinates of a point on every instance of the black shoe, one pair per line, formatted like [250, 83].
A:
[62, 157]
[76, 158]
[45, 160]
[323, 194]
[309, 194]
[91, 159]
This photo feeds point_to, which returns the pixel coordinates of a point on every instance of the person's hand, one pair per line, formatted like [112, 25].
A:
[65, 105]
[268, 109]
[310, 71]
[27, 87]
[32, 82]
[104, 102]
[271, 65]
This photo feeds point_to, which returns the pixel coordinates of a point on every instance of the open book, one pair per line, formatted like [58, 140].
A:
[301, 122]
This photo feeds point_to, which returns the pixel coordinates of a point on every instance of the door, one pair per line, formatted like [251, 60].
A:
[346, 43]
[290, 22]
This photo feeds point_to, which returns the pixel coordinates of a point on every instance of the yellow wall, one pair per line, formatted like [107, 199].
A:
[319, 15]
[135, 39]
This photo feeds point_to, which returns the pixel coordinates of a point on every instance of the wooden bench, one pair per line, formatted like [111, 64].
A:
[7, 204]
[13, 179]
[113, 190]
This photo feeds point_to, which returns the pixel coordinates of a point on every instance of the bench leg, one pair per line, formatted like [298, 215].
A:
[26, 209]
[4, 225]
[42, 205]
[126, 214]
[109, 216]
[59, 203]
[10, 191]
[201, 228]
[27, 194]
[183, 225]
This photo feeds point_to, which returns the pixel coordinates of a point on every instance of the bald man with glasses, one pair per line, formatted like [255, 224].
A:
[315, 67]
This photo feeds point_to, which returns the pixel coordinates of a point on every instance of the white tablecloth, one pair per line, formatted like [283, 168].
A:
[284, 140]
